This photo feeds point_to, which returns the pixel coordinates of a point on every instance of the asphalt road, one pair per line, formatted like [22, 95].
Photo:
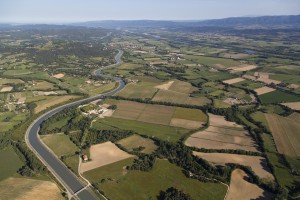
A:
[65, 176]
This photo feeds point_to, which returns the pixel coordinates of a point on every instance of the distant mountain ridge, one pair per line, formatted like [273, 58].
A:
[286, 21]
[265, 21]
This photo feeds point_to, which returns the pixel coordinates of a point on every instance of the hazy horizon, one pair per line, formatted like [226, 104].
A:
[34, 11]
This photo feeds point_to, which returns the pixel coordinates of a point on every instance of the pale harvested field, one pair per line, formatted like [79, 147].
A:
[218, 120]
[183, 87]
[263, 90]
[268, 81]
[253, 78]
[28, 189]
[222, 134]
[294, 105]
[286, 135]
[58, 75]
[165, 86]
[188, 124]
[240, 188]
[108, 113]
[103, 154]
[293, 86]
[6, 89]
[257, 163]
[136, 141]
[51, 101]
[234, 80]
[243, 68]
[262, 75]
[294, 117]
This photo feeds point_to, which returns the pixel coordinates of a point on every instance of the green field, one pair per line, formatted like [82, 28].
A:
[60, 144]
[17, 72]
[249, 84]
[119, 184]
[72, 162]
[190, 114]
[182, 87]
[260, 117]
[136, 141]
[163, 132]
[10, 163]
[278, 97]
[210, 61]
[286, 78]
[220, 104]
[10, 119]
[93, 90]
[137, 91]
[170, 96]
[6, 80]
[281, 171]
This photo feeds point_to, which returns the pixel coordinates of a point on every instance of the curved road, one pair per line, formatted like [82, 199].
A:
[66, 177]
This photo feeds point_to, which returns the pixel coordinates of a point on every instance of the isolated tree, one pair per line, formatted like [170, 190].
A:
[173, 194]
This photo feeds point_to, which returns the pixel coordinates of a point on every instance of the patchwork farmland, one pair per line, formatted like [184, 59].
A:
[158, 114]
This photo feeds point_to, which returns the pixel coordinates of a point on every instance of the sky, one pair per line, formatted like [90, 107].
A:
[64, 11]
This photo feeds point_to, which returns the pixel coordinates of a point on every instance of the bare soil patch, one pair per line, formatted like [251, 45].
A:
[243, 67]
[58, 75]
[293, 86]
[257, 163]
[6, 89]
[294, 105]
[263, 90]
[188, 124]
[234, 80]
[28, 189]
[165, 86]
[240, 188]
[103, 154]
